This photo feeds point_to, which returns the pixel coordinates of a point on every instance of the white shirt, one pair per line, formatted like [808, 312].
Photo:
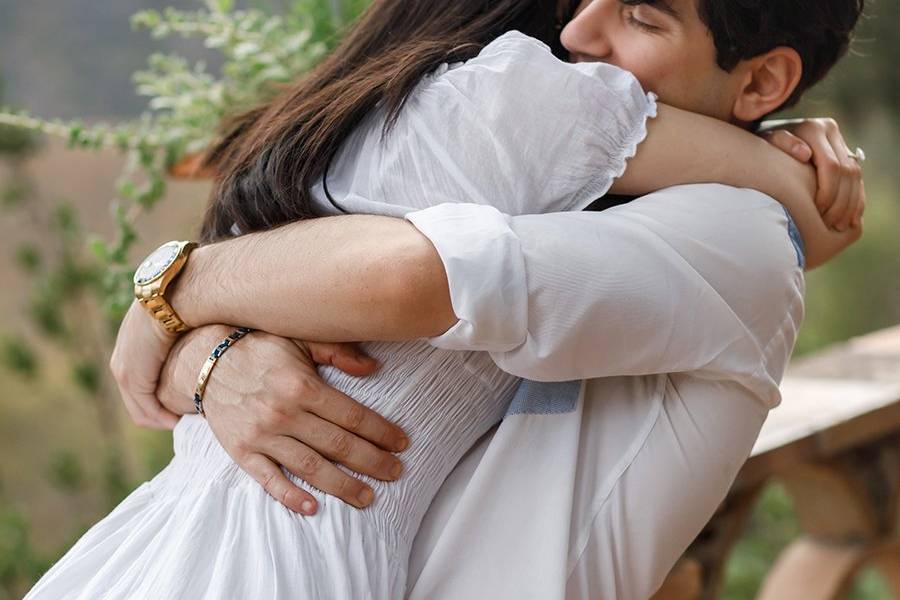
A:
[590, 498]
[700, 283]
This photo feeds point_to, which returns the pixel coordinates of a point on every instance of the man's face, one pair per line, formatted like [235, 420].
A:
[667, 47]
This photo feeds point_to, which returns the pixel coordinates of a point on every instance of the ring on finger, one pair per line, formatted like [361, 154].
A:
[859, 155]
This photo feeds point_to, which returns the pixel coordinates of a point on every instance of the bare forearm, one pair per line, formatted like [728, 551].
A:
[683, 147]
[332, 279]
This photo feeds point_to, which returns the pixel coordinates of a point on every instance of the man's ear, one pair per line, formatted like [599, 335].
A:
[768, 81]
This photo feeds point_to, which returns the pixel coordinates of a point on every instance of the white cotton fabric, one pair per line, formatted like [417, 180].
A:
[513, 126]
[701, 283]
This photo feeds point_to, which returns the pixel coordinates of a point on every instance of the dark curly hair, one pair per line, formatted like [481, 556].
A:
[819, 30]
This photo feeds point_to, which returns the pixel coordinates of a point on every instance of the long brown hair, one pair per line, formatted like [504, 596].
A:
[270, 156]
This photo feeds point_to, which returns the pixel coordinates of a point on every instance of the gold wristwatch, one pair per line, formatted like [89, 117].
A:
[154, 275]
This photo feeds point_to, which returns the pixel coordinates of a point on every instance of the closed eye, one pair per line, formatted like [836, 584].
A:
[641, 24]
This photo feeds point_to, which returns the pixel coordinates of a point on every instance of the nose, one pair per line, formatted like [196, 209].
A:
[586, 36]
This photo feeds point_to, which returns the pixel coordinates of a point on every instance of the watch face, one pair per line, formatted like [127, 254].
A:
[156, 264]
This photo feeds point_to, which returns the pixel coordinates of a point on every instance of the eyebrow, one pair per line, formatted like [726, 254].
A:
[665, 6]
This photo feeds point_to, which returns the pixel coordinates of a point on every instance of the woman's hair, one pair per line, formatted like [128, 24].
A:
[270, 157]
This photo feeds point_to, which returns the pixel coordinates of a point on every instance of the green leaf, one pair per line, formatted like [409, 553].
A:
[19, 356]
[99, 248]
[16, 193]
[88, 377]
[65, 220]
[65, 472]
[28, 256]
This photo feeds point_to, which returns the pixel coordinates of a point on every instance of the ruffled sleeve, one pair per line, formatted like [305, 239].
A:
[520, 130]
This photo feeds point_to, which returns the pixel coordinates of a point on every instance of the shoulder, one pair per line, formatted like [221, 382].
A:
[739, 240]
[745, 222]
[515, 59]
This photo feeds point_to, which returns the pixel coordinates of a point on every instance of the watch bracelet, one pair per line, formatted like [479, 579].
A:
[207, 368]
[166, 316]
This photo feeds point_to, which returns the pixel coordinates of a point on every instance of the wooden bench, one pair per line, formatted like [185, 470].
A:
[834, 444]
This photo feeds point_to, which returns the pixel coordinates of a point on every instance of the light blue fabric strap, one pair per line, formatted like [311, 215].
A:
[540, 398]
[796, 239]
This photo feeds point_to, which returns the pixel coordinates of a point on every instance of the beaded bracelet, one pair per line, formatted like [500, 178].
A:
[207, 368]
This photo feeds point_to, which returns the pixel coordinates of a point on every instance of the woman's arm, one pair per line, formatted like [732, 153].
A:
[683, 147]
[393, 285]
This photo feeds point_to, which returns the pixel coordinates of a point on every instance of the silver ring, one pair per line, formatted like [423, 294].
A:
[859, 155]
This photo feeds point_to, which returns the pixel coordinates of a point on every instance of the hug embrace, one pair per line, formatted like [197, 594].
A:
[573, 262]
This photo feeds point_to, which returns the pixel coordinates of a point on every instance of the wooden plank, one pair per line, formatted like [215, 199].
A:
[813, 570]
[685, 582]
[874, 357]
[811, 407]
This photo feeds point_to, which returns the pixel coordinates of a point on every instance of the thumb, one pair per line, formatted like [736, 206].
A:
[346, 357]
[790, 144]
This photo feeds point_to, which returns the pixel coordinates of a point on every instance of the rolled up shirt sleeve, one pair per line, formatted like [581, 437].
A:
[699, 278]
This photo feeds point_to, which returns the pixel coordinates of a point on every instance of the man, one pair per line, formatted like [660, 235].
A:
[556, 470]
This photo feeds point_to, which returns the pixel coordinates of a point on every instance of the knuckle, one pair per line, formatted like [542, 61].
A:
[119, 372]
[295, 386]
[386, 463]
[282, 382]
[252, 431]
[348, 488]
[268, 483]
[354, 416]
[285, 496]
[237, 448]
[273, 416]
[786, 136]
[143, 421]
[309, 464]
[341, 445]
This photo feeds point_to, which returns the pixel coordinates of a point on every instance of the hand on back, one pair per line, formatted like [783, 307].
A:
[266, 404]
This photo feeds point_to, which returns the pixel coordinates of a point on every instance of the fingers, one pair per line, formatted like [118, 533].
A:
[346, 448]
[346, 357]
[313, 468]
[861, 208]
[272, 479]
[790, 144]
[345, 412]
[145, 410]
[828, 174]
[162, 417]
[852, 211]
[840, 207]
[841, 215]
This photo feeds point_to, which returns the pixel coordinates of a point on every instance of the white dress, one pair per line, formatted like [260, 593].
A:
[514, 128]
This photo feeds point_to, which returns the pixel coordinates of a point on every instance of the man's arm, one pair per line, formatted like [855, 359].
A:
[639, 289]
[335, 279]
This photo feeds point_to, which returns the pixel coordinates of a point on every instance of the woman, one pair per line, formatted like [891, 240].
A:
[197, 529]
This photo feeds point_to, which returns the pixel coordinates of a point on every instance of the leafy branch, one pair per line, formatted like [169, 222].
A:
[186, 103]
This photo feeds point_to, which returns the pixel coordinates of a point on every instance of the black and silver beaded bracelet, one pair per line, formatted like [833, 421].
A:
[207, 368]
